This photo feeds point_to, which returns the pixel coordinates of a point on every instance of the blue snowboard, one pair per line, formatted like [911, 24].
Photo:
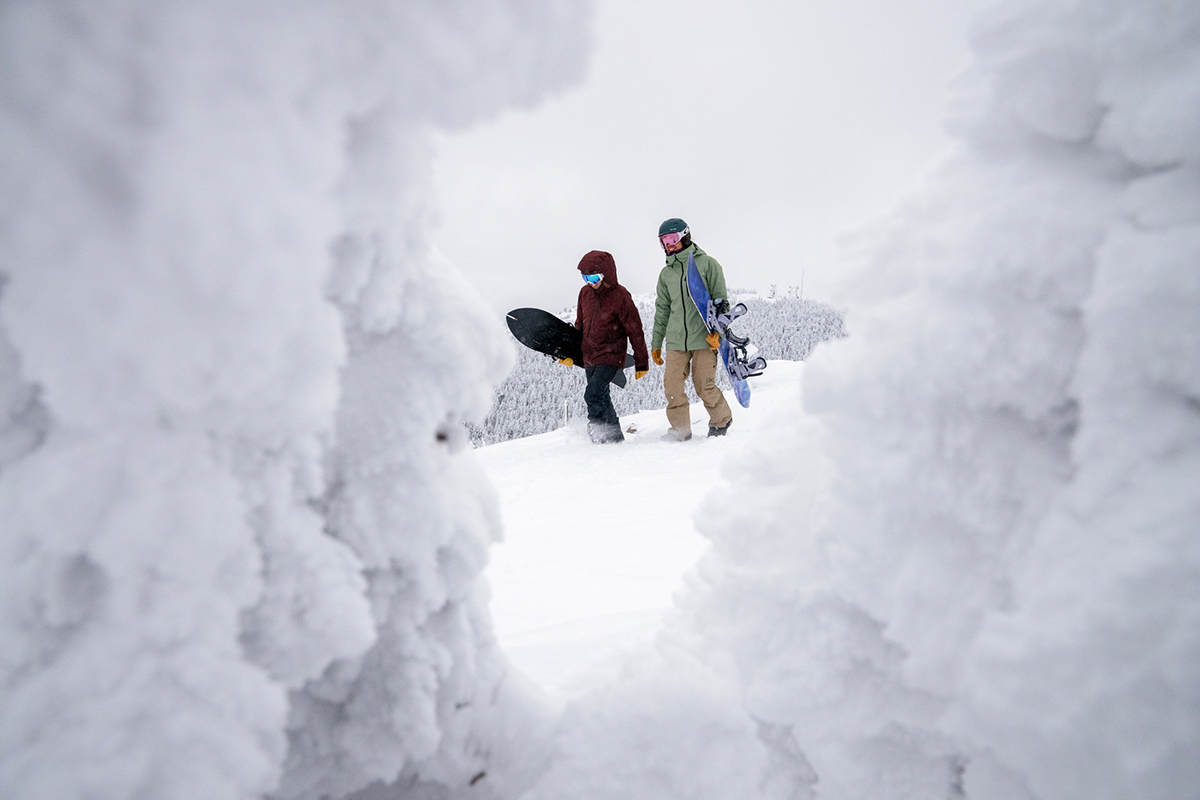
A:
[704, 304]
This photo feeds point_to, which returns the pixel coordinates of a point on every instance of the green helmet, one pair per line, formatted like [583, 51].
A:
[676, 225]
[673, 225]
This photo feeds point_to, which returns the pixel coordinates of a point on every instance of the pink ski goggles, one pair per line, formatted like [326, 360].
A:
[671, 239]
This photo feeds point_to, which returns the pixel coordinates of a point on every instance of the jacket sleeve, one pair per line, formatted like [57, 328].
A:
[579, 307]
[662, 313]
[632, 321]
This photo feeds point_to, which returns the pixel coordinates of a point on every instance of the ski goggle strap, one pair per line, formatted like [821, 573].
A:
[594, 278]
[669, 239]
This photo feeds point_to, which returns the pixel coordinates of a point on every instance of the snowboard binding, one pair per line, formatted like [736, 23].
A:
[720, 316]
[740, 365]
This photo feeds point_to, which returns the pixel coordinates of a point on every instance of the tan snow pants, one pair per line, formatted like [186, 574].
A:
[703, 367]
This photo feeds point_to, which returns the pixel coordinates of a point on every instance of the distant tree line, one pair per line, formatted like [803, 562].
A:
[540, 394]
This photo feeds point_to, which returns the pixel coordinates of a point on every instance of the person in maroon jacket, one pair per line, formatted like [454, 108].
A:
[608, 318]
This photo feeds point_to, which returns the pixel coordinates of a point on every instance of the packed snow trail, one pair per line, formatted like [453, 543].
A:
[598, 537]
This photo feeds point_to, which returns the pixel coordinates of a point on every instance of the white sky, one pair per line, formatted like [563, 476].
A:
[770, 126]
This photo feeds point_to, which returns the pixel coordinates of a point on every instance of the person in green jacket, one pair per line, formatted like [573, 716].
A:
[679, 328]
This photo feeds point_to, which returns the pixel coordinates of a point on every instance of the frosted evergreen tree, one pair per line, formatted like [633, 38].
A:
[239, 538]
[540, 394]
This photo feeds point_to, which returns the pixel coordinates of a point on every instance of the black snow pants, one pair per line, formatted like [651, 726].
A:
[603, 423]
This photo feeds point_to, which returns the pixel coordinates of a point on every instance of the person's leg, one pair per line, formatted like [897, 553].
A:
[675, 373]
[603, 423]
[704, 380]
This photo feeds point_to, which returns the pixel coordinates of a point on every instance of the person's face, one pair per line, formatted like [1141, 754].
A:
[594, 280]
[671, 242]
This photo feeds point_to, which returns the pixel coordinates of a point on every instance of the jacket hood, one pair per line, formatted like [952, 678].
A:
[602, 262]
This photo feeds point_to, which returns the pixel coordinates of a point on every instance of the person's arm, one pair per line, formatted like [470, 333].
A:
[632, 321]
[662, 313]
[579, 306]
[579, 312]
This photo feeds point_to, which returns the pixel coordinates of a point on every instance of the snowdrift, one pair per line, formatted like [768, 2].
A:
[976, 567]
[238, 552]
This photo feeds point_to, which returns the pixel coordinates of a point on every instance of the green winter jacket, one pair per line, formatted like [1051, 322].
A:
[677, 323]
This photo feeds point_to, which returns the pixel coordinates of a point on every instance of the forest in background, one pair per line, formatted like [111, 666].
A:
[541, 395]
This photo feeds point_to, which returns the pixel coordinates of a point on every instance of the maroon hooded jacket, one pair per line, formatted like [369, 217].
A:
[608, 317]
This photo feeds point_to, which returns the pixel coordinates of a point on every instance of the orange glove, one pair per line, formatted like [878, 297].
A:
[638, 374]
[656, 357]
[714, 340]
[566, 362]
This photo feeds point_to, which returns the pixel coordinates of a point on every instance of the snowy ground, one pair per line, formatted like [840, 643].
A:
[597, 539]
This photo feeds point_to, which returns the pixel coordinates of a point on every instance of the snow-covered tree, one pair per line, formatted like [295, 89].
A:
[238, 537]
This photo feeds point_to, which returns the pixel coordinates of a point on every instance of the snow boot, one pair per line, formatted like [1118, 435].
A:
[719, 431]
[603, 433]
[673, 435]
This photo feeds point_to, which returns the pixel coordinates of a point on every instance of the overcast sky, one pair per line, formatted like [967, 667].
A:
[771, 126]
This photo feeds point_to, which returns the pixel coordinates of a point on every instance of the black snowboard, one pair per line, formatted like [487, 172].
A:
[542, 331]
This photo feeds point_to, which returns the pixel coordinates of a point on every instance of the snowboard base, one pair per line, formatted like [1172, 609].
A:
[543, 332]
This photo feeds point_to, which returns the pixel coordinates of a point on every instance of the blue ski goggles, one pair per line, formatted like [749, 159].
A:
[594, 278]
